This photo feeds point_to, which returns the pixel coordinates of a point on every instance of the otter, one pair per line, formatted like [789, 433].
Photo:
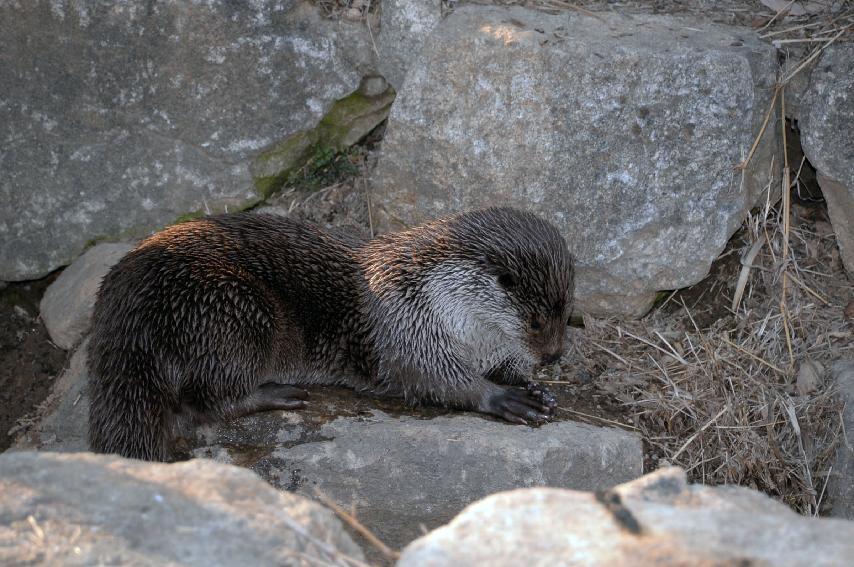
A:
[228, 315]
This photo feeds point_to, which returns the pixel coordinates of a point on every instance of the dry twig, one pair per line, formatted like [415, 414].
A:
[354, 523]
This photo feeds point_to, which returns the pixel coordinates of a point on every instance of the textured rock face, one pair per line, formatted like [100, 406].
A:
[404, 472]
[60, 509]
[624, 133]
[655, 520]
[118, 117]
[841, 485]
[62, 421]
[826, 116]
[405, 24]
[68, 303]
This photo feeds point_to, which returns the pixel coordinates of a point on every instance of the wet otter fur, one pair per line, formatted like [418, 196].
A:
[224, 316]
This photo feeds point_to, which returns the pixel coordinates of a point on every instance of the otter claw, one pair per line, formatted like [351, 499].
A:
[507, 416]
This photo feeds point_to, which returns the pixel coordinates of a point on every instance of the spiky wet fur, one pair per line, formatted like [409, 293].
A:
[200, 315]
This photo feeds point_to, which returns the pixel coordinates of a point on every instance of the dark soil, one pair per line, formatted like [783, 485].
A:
[29, 362]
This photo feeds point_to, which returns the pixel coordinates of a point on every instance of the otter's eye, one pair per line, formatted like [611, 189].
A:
[506, 280]
[536, 323]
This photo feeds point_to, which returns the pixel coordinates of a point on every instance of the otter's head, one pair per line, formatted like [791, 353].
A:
[527, 276]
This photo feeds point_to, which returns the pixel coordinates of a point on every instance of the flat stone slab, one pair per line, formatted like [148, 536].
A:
[403, 472]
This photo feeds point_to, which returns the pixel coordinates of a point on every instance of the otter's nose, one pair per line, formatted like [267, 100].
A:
[551, 357]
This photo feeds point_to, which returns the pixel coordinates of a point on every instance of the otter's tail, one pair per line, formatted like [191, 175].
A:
[128, 415]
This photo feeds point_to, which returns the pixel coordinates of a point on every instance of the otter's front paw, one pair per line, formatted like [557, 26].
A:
[533, 404]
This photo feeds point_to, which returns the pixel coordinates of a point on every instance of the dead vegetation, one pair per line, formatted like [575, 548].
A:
[743, 396]
[740, 400]
[728, 379]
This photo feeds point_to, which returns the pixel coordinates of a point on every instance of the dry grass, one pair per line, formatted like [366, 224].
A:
[727, 379]
[721, 399]
[349, 518]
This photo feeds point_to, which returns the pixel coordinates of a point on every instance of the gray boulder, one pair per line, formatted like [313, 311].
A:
[840, 488]
[68, 303]
[61, 422]
[120, 117]
[656, 520]
[404, 472]
[404, 26]
[61, 509]
[623, 132]
[826, 117]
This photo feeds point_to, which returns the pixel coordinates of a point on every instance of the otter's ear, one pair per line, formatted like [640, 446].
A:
[506, 280]
[502, 275]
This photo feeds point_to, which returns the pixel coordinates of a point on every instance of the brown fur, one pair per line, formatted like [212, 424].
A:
[223, 316]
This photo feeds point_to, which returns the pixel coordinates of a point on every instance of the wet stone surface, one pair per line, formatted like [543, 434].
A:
[410, 467]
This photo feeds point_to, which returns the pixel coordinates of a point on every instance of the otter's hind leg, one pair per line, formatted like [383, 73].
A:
[129, 417]
[237, 351]
[239, 384]
[269, 396]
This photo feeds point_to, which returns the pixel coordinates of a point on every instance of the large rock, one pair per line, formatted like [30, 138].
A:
[119, 117]
[68, 303]
[826, 116]
[59, 509]
[656, 520]
[404, 472]
[401, 471]
[61, 422]
[623, 132]
[840, 488]
[405, 24]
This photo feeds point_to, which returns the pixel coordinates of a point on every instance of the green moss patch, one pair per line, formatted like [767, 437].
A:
[270, 170]
[305, 153]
